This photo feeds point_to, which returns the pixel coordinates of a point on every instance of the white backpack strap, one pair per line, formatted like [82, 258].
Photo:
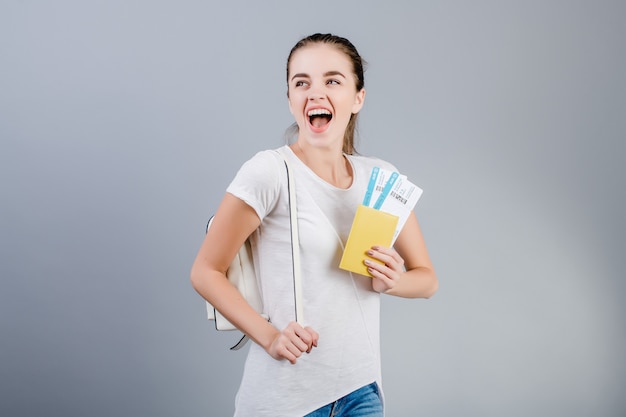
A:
[295, 241]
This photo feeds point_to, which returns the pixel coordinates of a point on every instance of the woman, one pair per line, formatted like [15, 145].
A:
[333, 361]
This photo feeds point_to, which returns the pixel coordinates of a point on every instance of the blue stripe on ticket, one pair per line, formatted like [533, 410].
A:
[381, 198]
[370, 186]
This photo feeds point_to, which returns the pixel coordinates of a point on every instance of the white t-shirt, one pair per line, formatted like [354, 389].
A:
[339, 305]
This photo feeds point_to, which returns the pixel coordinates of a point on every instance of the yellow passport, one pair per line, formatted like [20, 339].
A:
[370, 227]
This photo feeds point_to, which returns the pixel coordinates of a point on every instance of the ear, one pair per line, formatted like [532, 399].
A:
[289, 102]
[358, 101]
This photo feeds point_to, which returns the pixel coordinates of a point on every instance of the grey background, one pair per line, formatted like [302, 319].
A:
[122, 122]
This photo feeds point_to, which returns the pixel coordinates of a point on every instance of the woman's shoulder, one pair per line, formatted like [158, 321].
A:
[263, 163]
[264, 157]
[258, 181]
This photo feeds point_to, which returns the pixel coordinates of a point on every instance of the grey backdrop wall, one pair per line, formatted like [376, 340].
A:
[123, 122]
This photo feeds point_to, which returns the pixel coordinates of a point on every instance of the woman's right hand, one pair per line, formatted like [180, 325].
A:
[292, 342]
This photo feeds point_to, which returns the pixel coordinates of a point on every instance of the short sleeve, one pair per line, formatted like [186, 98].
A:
[257, 183]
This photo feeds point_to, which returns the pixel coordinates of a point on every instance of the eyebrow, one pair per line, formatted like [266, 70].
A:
[326, 74]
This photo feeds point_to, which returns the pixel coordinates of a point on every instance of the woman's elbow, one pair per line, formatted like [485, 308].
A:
[432, 286]
[196, 277]
[432, 289]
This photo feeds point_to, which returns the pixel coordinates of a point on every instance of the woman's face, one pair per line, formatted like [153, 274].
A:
[322, 94]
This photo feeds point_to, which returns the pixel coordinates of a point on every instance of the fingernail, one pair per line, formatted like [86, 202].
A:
[370, 252]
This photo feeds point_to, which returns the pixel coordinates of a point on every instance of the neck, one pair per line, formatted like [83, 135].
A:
[328, 164]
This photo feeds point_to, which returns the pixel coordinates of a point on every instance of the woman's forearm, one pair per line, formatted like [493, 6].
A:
[214, 287]
[419, 282]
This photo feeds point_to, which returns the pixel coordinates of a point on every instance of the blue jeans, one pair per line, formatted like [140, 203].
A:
[360, 403]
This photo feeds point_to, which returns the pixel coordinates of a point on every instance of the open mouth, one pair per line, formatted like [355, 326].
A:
[319, 118]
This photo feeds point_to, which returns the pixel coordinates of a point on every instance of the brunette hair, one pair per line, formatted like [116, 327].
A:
[358, 64]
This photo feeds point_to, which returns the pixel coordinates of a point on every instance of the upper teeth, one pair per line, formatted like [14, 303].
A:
[318, 112]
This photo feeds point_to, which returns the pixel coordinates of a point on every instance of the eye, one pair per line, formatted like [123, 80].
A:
[300, 83]
[333, 82]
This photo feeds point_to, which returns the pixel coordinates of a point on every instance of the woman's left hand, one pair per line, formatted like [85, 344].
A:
[385, 275]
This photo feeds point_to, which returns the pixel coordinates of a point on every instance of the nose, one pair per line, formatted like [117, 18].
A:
[315, 93]
[316, 97]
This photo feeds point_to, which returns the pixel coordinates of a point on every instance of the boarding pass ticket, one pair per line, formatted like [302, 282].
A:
[393, 193]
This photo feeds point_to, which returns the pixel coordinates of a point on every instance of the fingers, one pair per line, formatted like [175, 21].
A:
[388, 256]
[381, 281]
[314, 338]
[292, 342]
[387, 273]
